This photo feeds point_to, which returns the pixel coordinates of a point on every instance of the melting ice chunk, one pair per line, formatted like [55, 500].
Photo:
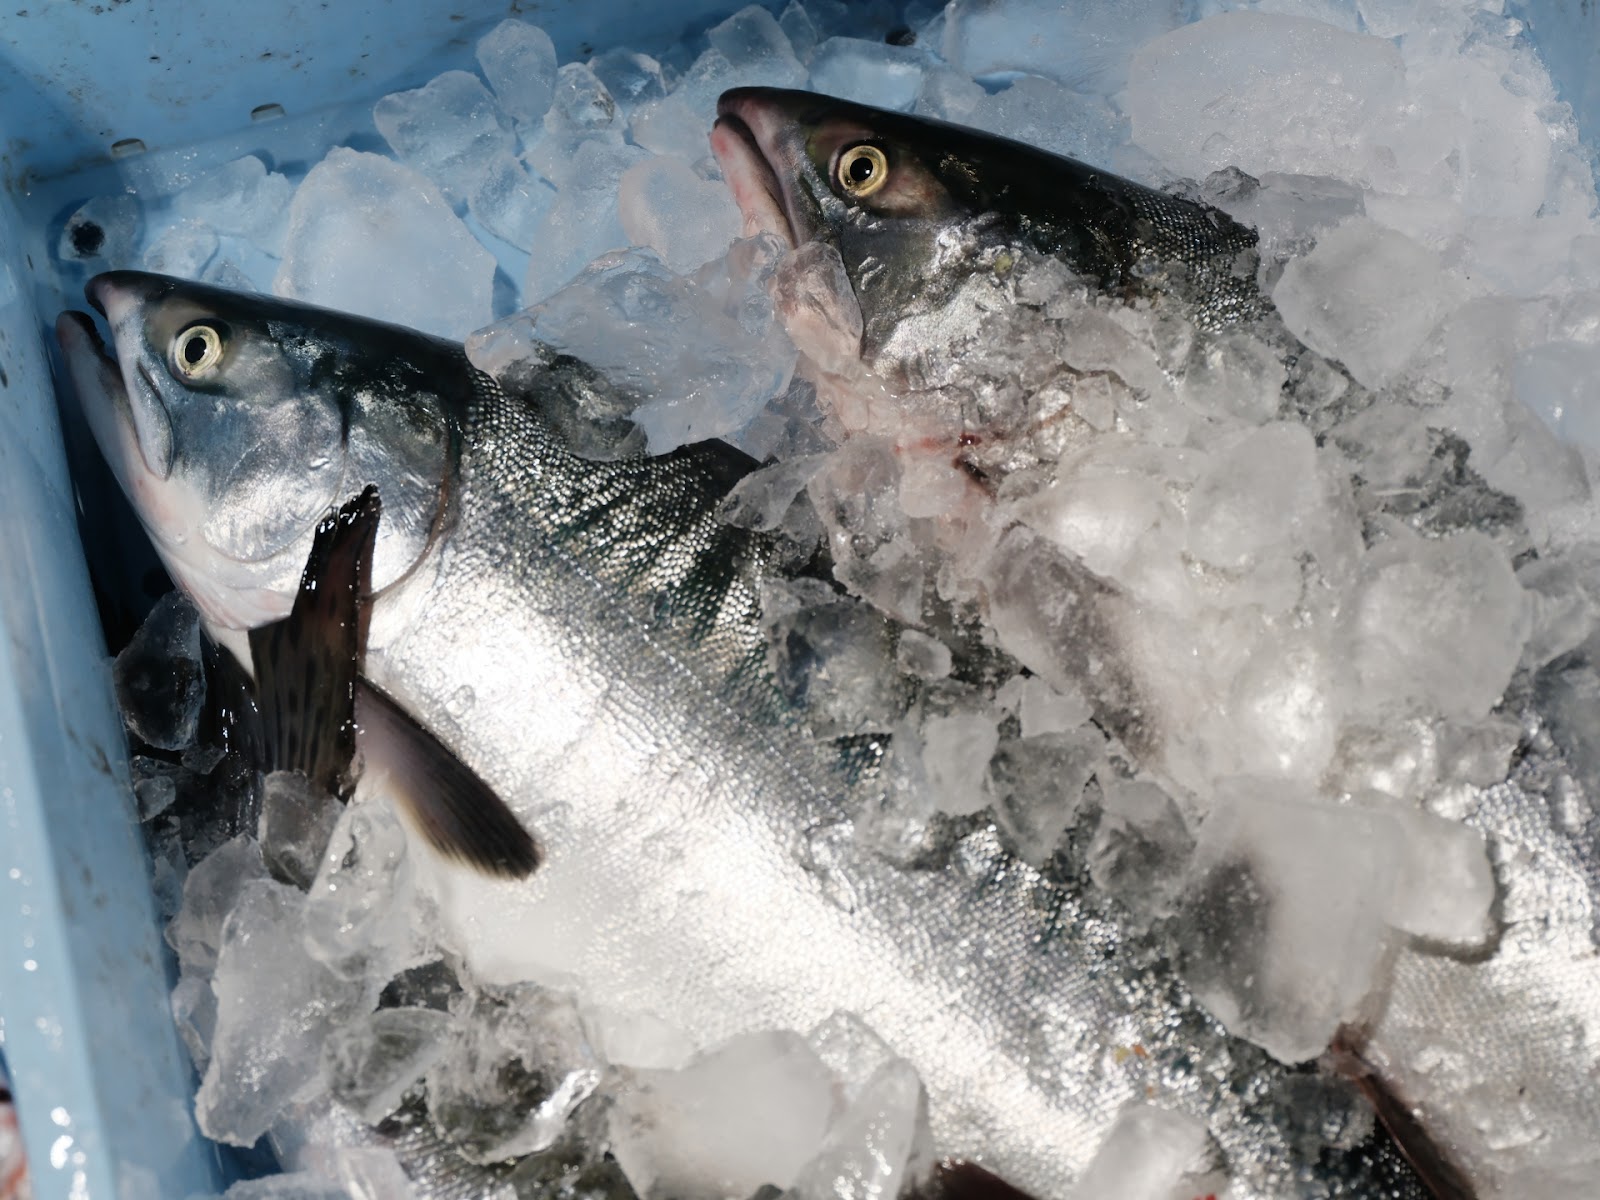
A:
[1150, 1153]
[297, 819]
[1283, 916]
[631, 78]
[159, 682]
[1367, 296]
[685, 219]
[210, 892]
[1036, 787]
[583, 223]
[1081, 44]
[297, 1185]
[1262, 92]
[515, 1067]
[182, 249]
[510, 202]
[869, 72]
[241, 199]
[878, 1143]
[276, 1007]
[750, 1113]
[1440, 624]
[519, 61]
[449, 130]
[358, 916]
[364, 232]
[702, 353]
[373, 1061]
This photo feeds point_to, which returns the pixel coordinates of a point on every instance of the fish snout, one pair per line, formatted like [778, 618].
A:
[118, 295]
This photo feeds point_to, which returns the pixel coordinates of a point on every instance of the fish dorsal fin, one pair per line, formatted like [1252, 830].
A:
[459, 815]
[306, 664]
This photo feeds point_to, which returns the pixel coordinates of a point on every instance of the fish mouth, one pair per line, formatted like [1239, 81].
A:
[117, 296]
[747, 164]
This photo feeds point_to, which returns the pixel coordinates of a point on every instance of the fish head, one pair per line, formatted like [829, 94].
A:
[882, 190]
[925, 215]
[234, 422]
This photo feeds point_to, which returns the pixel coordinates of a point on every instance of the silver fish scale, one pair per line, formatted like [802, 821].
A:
[1505, 1052]
[1210, 260]
[700, 864]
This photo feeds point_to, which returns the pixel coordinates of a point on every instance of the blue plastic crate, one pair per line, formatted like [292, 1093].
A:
[103, 1084]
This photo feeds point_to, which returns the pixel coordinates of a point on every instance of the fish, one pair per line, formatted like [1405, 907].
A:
[918, 214]
[587, 640]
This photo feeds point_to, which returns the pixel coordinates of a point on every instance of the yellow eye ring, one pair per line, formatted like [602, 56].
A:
[196, 351]
[862, 170]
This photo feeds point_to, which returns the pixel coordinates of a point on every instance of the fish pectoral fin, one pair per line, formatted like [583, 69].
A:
[306, 665]
[457, 812]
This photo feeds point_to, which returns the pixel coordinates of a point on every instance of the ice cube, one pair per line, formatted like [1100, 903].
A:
[631, 78]
[1558, 380]
[1290, 212]
[1036, 787]
[702, 354]
[1366, 296]
[851, 1049]
[297, 819]
[947, 94]
[275, 1008]
[297, 1185]
[956, 752]
[922, 656]
[800, 29]
[159, 682]
[1043, 113]
[749, 1113]
[155, 785]
[182, 249]
[210, 893]
[582, 106]
[1445, 886]
[241, 199]
[374, 1060]
[365, 232]
[519, 61]
[763, 498]
[669, 126]
[1440, 624]
[1082, 45]
[1283, 915]
[1235, 376]
[685, 219]
[106, 229]
[516, 1065]
[1263, 92]
[873, 73]
[1151, 1153]
[1140, 847]
[583, 223]
[510, 202]
[359, 918]
[879, 1142]
[831, 657]
[1040, 708]
[449, 130]
[752, 36]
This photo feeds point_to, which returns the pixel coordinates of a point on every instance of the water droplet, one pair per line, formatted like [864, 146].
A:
[461, 702]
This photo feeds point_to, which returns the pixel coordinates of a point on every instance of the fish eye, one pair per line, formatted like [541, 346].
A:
[197, 350]
[862, 170]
